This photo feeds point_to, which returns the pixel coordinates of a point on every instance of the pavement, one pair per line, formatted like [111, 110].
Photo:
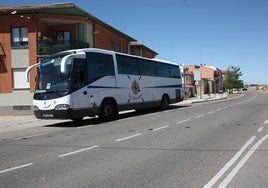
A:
[12, 121]
[205, 98]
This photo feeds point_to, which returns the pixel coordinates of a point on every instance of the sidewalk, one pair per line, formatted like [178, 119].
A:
[11, 121]
[205, 98]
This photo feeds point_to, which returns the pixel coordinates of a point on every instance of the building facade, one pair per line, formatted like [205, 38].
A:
[31, 33]
[211, 80]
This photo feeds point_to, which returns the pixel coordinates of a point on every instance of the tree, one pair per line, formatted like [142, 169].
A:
[231, 80]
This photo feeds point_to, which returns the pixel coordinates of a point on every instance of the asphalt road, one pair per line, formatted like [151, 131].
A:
[214, 144]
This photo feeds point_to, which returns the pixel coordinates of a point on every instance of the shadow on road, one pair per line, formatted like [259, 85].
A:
[98, 121]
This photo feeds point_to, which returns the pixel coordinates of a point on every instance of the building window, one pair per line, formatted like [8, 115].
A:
[19, 79]
[121, 49]
[64, 35]
[112, 45]
[19, 36]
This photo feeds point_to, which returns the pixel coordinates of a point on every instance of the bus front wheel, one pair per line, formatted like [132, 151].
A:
[108, 110]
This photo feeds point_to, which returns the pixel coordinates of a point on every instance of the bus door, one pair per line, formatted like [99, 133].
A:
[80, 98]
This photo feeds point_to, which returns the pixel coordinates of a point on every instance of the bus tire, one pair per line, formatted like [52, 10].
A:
[164, 102]
[77, 120]
[108, 110]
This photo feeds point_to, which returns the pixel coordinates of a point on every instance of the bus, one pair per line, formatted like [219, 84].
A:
[93, 82]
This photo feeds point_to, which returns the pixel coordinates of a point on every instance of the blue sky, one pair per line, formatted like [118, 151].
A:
[220, 33]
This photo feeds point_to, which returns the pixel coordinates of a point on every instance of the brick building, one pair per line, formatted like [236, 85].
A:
[211, 80]
[30, 33]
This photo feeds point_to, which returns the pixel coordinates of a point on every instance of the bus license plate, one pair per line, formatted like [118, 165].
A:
[48, 115]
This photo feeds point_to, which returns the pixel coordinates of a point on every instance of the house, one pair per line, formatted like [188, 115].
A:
[30, 33]
[211, 79]
[188, 82]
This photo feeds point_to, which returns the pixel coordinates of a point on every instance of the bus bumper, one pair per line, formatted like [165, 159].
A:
[64, 114]
[52, 114]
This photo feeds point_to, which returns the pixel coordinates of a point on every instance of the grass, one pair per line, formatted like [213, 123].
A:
[234, 95]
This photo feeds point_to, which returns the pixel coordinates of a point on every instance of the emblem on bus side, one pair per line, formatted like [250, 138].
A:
[135, 87]
[135, 93]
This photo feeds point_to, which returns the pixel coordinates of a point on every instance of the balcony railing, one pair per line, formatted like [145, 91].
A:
[49, 46]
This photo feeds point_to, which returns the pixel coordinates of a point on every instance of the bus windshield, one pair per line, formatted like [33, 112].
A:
[49, 77]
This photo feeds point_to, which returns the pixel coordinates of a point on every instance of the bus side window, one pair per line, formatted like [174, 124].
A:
[174, 71]
[127, 65]
[162, 70]
[99, 65]
[147, 68]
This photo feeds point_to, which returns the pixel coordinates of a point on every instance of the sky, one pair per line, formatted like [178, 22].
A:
[218, 33]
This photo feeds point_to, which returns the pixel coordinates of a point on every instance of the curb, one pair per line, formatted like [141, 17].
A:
[208, 100]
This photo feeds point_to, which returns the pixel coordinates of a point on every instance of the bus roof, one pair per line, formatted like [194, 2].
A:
[98, 50]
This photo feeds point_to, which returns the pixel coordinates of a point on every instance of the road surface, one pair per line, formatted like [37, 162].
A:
[214, 144]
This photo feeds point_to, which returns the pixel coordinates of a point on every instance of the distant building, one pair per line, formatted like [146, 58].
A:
[211, 79]
[139, 49]
[188, 82]
[31, 33]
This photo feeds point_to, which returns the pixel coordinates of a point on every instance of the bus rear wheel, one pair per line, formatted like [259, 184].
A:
[164, 102]
[108, 110]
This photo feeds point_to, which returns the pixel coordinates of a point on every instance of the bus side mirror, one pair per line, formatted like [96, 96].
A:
[63, 65]
[28, 70]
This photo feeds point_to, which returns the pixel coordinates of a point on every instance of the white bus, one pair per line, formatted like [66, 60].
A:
[92, 82]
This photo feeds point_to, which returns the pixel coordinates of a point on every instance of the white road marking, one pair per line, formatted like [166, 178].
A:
[229, 164]
[151, 114]
[211, 112]
[15, 168]
[183, 121]
[125, 138]
[219, 109]
[78, 151]
[126, 119]
[32, 136]
[260, 129]
[199, 116]
[82, 127]
[159, 128]
[230, 176]
[266, 122]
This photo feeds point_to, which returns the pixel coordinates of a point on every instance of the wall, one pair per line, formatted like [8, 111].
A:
[84, 33]
[13, 58]
[103, 37]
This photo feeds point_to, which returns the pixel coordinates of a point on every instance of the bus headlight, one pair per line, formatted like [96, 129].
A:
[62, 107]
[35, 108]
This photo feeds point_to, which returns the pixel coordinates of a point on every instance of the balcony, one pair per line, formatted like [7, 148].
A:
[50, 46]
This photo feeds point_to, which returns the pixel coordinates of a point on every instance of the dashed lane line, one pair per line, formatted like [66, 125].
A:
[211, 112]
[77, 151]
[260, 129]
[183, 121]
[159, 128]
[125, 138]
[16, 168]
[31, 136]
[199, 116]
